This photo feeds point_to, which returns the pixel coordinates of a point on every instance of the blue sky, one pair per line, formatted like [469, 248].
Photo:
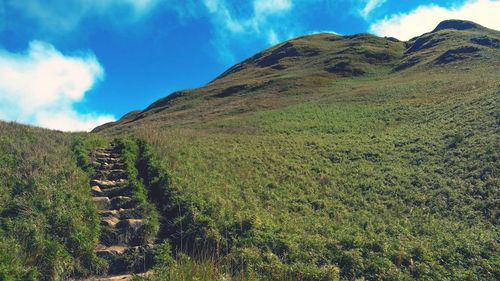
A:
[73, 64]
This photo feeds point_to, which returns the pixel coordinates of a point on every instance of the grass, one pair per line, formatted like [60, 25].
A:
[130, 153]
[48, 223]
[393, 180]
[286, 173]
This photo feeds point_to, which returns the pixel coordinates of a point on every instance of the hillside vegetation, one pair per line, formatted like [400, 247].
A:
[330, 157]
[325, 157]
[48, 223]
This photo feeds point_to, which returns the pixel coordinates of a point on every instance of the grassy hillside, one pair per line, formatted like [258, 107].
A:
[399, 182]
[325, 157]
[48, 223]
[307, 67]
[331, 157]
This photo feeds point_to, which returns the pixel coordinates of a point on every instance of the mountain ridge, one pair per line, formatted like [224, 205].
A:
[310, 61]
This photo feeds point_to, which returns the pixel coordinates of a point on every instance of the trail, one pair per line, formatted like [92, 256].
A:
[122, 225]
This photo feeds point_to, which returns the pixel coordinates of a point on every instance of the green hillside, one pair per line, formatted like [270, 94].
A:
[325, 157]
[48, 223]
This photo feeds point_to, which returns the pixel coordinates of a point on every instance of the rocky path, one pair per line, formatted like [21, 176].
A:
[121, 243]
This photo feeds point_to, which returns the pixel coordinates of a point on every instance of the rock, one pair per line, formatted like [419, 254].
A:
[102, 183]
[122, 235]
[110, 221]
[457, 25]
[345, 68]
[113, 191]
[457, 54]
[486, 41]
[102, 202]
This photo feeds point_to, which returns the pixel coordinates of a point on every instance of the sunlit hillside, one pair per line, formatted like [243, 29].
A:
[325, 157]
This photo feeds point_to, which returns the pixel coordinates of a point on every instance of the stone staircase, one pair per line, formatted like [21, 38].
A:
[122, 242]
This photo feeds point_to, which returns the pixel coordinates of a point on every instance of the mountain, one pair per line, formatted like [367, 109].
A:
[292, 71]
[333, 157]
[325, 157]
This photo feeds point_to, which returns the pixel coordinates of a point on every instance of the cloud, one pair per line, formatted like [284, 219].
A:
[425, 18]
[63, 16]
[324, 31]
[255, 24]
[42, 85]
[370, 6]
[272, 37]
[262, 9]
[271, 6]
[70, 120]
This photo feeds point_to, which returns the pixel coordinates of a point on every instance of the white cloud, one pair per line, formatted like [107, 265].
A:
[324, 31]
[271, 6]
[262, 9]
[60, 16]
[273, 37]
[70, 120]
[257, 24]
[370, 6]
[425, 18]
[41, 86]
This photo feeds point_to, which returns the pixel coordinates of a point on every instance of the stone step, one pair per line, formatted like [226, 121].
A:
[114, 222]
[111, 171]
[108, 160]
[114, 203]
[102, 203]
[111, 250]
[109, 192]
[124, 259]
[122, 202]
[99, 176]
[110, 221]
[107, 149]
[120, 213]
[122, 232]
[104, 154]
[110, 166]
[115, 174]
[103, 165]
[107, 183]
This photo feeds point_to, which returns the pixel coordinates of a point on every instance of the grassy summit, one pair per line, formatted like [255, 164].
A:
[329, 157]
[306, 67]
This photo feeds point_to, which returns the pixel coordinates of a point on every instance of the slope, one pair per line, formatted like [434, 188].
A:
[307, 67]
[325, 157]
[48, 223]
[345, 157]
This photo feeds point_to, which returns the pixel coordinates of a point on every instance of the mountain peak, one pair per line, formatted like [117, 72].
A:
[457, 25]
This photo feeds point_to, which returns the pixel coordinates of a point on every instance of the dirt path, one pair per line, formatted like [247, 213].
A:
[122, 225]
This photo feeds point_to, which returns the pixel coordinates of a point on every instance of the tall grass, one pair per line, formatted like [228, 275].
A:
[396, 184]
[48, 224]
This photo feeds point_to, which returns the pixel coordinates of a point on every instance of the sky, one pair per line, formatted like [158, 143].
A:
[71, 65]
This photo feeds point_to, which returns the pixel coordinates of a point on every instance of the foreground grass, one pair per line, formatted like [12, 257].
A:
[381, 177]
[48, 224]
[392, 180]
